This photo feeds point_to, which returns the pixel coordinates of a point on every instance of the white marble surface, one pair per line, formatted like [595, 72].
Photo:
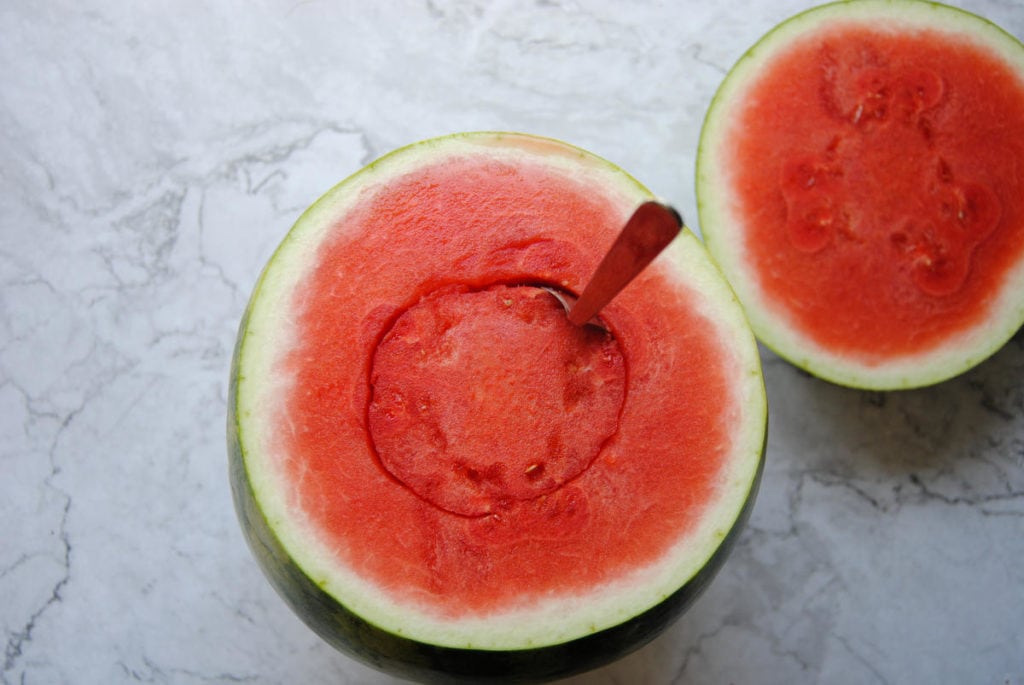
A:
[153, 154]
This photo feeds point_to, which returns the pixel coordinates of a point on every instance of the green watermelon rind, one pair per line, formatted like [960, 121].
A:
[720, 226]
[424, 662]
[344, 610]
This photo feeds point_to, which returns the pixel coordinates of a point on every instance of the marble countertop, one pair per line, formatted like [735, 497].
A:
[153, 155]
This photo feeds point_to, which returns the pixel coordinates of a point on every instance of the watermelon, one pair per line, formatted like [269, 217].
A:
[441, 475]
[859, 181]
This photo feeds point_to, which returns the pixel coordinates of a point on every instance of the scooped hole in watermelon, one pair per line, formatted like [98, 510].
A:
[437, 370]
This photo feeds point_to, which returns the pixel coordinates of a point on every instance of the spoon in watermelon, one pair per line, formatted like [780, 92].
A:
[649, 231]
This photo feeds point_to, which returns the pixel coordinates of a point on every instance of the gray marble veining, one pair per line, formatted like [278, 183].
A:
[153, 155]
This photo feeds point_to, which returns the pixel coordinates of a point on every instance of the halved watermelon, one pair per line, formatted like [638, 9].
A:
[860, 180]
[439, 473]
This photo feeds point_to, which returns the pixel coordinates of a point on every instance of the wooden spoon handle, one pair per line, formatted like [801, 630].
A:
[649, 231]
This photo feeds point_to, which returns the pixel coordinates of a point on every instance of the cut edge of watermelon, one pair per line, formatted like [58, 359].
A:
[563, 619]
[720, 222]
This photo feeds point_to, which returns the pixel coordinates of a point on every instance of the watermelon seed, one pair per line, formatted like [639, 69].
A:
[945, 173]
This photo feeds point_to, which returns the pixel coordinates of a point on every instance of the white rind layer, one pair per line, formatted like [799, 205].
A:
[268, 336]
[721, 222]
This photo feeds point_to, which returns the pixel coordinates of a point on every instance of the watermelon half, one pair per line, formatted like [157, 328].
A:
[860, 180]
[440, 474]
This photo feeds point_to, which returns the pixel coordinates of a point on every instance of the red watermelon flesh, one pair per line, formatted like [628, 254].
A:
[898, 187]
[453, 438]
[459, 363]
